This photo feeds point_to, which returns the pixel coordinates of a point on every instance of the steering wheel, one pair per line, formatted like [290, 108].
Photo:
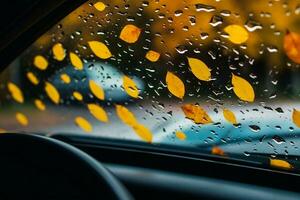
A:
[38, 167]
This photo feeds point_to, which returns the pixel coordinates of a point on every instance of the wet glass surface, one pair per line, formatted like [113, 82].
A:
[219, 75]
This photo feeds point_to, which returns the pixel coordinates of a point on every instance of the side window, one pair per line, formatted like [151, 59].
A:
[180, 72]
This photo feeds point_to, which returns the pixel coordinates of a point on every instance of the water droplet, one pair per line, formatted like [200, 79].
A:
[253, 25]
[254, 128]
[181, 49]
[277, 139]
[178, 13]
[216, 20]
[203, 7]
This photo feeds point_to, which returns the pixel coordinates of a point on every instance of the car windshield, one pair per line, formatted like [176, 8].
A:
[217, 75]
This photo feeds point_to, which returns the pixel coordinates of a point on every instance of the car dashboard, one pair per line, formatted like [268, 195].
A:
[155, 172]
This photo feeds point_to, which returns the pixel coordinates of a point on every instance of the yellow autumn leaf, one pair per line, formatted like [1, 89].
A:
[143, 132]
[96, 90]
[52, 92]
[237, 34]
[77, 95]
[242, 88]
[291, 45]
[280, 164]
[40, 62]
[130, 87]
[196, 113]
[100, 49]
[39, 104]
[65, 78]
[58, 51]
[32, 78]
[130, 33]
[296, 117]
[229, 116]
[152, 56]
[175, 85]
[98, 112]
[76, 61]
[180, 135]
[199, 69]
[126, 116]
[15, 92]
[83, 124]
[22, 119]
[217, 151]
[100, 6]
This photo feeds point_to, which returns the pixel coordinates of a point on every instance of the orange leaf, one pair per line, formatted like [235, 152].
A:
[229, 116]
[100, 49]
[130, 33]
[76, 61]
[40, 62]
[77, 95]
[32, 78]
[96, 90]
[130, 87]
[58, 51]
[143, 132]
[100, 6]
[22, 119]
[40, 105]
[196, 113]
[83, 124]
[98, 112]
[126, 116]
[237, 34]
[291, 45]
[65, 78]
[15, 92]
[296, 117]
[217, 151]
[280, 164]
[175, 85]
[180, 135]
[199, 69]
[52, 92]
[152, 56]
[242, 88]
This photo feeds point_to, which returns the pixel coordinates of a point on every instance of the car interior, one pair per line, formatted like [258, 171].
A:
[158, 99]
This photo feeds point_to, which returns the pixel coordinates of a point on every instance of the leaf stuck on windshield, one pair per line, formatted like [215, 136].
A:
[180, 135]
[199, 69]
[22, 119]
[291, 44]
[100, 6]
[152, 56]
[229, 116]
[100, 49]
[15, 92]
[175, 85]
[96, 90]
[242, 88]
[98, 112]
[237, 34]
[130, 87]
[84, 124]
[52, 92]
[59, 52]
[130, 33]
[280, 164]
[40, 62]
[76, 61]
[196, 113]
